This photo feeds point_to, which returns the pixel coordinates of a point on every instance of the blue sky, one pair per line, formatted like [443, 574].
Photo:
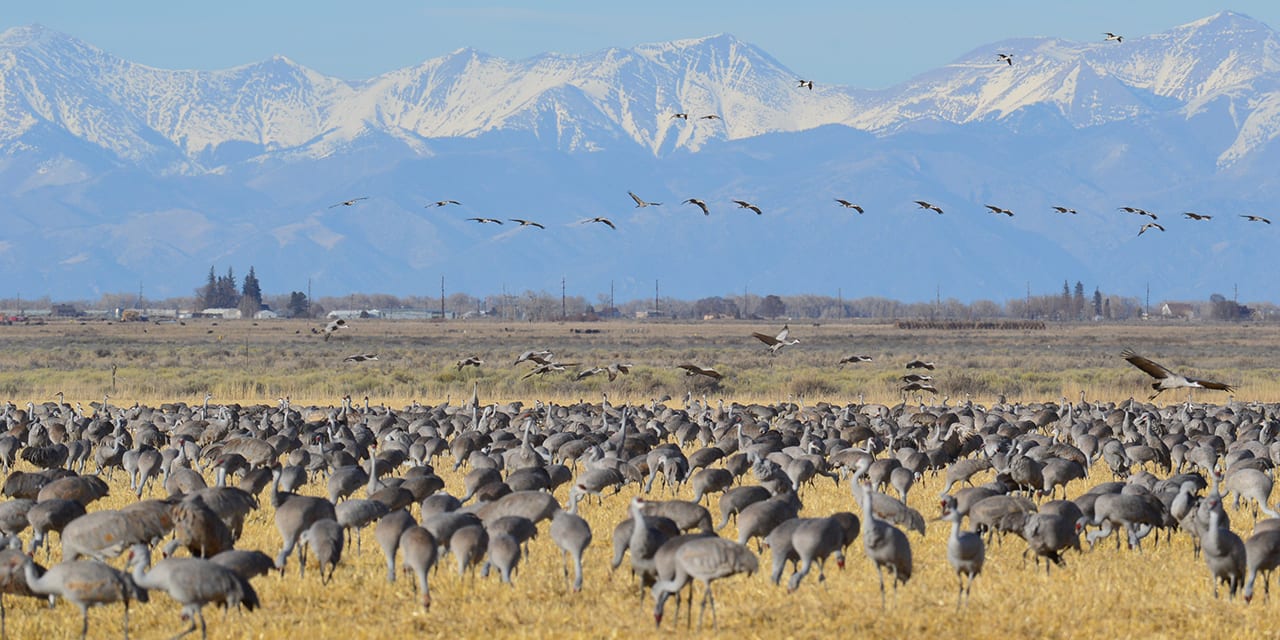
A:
[862, 44]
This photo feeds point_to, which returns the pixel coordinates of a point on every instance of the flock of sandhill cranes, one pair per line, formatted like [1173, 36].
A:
[1005, 58]
[760, 458]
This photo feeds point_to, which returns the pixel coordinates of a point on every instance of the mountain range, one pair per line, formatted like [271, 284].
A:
[115, 174]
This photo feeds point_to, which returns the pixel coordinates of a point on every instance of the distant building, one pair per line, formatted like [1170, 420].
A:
[1177, 311]
[224, 313]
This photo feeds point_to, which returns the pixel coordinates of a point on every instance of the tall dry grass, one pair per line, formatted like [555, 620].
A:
[259, 362]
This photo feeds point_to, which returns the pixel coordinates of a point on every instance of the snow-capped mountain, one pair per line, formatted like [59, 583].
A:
[112, 173]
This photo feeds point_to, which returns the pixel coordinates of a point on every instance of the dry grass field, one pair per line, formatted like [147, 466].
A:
[258, 362]
[1160, 592]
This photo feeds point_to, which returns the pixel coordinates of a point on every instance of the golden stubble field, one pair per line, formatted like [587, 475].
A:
[1162, 592]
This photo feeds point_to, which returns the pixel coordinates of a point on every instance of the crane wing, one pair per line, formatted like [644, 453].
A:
[767, 339]
[1153, 369]
[1209, 384]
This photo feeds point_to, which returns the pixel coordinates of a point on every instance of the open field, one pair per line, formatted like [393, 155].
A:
[1160, 592]
[259, 362]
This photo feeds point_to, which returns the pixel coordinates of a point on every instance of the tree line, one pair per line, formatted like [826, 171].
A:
[1071, 304]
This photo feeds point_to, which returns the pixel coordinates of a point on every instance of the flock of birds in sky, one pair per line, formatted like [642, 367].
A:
[1006, 58]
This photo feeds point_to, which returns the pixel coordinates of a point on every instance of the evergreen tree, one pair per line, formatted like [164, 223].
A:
[1097, 302]
[206, 294]
[297, 304]
[251, 288]
[1077, 301]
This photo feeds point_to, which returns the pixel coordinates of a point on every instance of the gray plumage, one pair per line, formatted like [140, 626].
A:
[13, 579]
[85, 583]
[706, 560]
[468, 546]
[886, 546]
[966, 553]
[757, 520]
[294, 515]
[1224, 552]
[387, 532]
[246, 563]
[357, 514]
[420, 554]
[572, 535]
[325, 538]
[193, 582]
[814, 539]
[504, 555]
[733, 501]
[1262, 555]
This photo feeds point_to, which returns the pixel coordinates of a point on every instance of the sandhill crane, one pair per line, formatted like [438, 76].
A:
[710, 116]
[804, 84]
[485, 220]
[1191, 215]
[929, 206]
[1224, 552]
[349, 203]
[193, 582]
[644, 543]
[441, 203]
[849, 205]
[1005, 58]
[695, 370]
[468, 545]
[534, 505]
[921, 364]
[1111, 36]
[1047, 536]
[640, 204]
[965, 552]
[999, 210]
[919, 386]
[358, 514]
[1251, 218]
[51, 515]
[13, 580]
[600, 219]
[13, 516]
[527, 223]
[815, 539]
[420, 555]
[682, 116]
[294, 515]
[776, 343]
[332, 328]
[85, 583]
[733, 501]
[573, 535]
[469, 361]
[758, 520]
[1166, 379]
[199, 529]
[854, 359]
[708, 481]
[361, 357]
[246, 563]
[1061, 209]
[962, 471]
[504, 554]
[387, 532]
[743, 204]
[707, 560]
[325, 539]
[1262, 555]
[1254, 485]
[1150, 225]
[885, 545]
[700, 204]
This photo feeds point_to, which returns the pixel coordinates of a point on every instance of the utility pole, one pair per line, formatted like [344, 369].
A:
[442, 297]
[655, 297]
[1235, 294]
[840, 300]
[1146, 311]
[563, 312]
[308, 297]
[612, 307]
[138, 304]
